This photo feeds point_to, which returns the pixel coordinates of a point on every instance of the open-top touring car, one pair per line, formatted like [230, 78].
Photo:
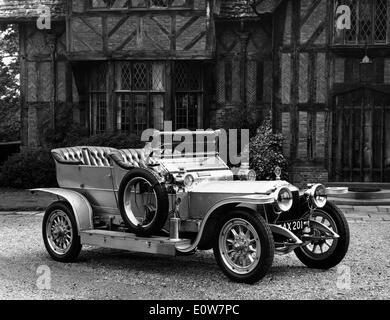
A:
[171, 203]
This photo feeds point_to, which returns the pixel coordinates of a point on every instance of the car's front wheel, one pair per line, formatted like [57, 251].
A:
[326, 253]
[244, 247]
[60, 233]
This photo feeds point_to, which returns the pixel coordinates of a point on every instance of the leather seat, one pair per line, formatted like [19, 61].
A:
[94, 156]
[102, 156]
[132, 157]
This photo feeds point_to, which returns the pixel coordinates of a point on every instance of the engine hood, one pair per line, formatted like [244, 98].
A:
[241, 187]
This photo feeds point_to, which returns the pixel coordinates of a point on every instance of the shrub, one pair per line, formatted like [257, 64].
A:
[64, 135]
[28, 169]
[74, 135]
[238, 119]
[266, 152]
[113, 140]
[36, 168]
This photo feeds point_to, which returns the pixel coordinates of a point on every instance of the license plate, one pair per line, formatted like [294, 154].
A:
[295, 225]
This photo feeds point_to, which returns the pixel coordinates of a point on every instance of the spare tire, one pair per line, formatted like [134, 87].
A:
[143, 202]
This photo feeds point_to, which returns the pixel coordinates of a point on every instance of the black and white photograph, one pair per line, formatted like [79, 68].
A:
[216, 151]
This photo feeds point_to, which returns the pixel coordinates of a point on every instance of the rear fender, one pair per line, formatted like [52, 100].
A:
[81, 207]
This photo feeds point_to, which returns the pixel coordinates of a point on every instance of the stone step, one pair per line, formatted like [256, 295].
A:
[360, 202]
[380, 195]
[381, 185]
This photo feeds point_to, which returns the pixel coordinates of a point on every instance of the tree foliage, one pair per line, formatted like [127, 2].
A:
[9, 84]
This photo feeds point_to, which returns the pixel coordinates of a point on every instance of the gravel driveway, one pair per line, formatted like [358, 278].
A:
[111, 274]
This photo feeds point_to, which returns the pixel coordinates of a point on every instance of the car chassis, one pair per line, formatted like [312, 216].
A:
[154, 201]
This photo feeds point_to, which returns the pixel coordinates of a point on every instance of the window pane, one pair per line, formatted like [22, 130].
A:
[194, 77]
[100, 4]
[158, 111]
[193, 106]
[178, 3]
[120, 3]
[125, 79]
[157, 77]
[187, 76]
[350, 35]
[98, 81]
[365, 23]
[181, 110]
[228, 81]
[180, 76]
[124, 113]
[159, 3]
[141, 113]
[138, 3]
[187, 111]
[380, 20]
[140, 76]
[99, 107]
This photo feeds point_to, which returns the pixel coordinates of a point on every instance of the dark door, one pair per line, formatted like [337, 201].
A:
[361, 136]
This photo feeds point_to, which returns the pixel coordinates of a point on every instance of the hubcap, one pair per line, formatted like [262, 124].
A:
[323, 248]
[140, 202]
[59, 232]
[239, 245]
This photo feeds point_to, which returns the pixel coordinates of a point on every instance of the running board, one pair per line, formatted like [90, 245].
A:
[131, 242]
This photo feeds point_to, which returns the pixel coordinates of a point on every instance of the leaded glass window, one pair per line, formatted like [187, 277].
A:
[189, 95]
[128, 4]
[369, 22]
[98, 99]
[140, 88]
[102, 4]
[159, 3]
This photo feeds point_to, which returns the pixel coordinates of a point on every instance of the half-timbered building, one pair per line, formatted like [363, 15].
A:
[128, 65]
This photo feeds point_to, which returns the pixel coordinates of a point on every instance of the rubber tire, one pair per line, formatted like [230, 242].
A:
[266, 240]
[342, 244]
[76, 246]
[162, 203]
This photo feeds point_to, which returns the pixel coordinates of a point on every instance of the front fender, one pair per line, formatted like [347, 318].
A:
[227, 203]
[81, 207]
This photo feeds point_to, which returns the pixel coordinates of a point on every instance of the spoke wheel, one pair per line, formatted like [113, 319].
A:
[321, 249]
[326, 253]
[240, 246]
[244, 248]
[60, 233]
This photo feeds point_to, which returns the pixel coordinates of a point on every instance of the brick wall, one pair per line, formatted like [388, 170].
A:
[301, 176]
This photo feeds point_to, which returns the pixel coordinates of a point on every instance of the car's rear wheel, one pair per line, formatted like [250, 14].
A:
[244, 247]
[326, 253]
[60, 233]
[143, 202]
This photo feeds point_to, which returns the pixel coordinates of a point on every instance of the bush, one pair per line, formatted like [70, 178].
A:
[266, 152]
[64, 135]
[113, 140]
[29, 169]
[237, 119]
[36, 168]
[74, 135]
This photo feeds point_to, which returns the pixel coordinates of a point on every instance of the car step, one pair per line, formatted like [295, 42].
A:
[131, 242]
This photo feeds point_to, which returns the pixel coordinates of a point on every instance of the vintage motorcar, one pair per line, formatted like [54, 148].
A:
[170, 203]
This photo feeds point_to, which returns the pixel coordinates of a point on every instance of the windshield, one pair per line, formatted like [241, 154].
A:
[207, 163]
